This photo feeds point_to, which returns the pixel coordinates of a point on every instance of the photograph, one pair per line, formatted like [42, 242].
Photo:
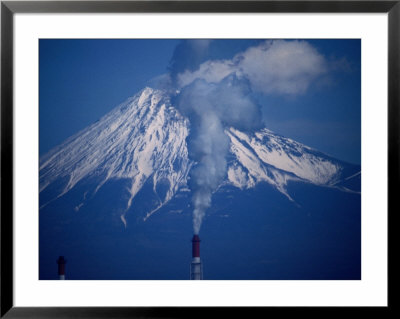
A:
[199, 159]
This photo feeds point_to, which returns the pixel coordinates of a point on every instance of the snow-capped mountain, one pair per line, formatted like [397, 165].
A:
[119, 191]
[144, 140]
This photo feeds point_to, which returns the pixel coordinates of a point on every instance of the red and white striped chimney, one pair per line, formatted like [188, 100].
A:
[196, 268]
[61, 267]
[196, 248]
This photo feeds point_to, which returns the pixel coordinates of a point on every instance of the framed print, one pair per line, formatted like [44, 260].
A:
[165, 157]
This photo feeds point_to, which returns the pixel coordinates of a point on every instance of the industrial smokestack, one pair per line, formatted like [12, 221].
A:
[196, 268]
[61, 267]
[196, 247]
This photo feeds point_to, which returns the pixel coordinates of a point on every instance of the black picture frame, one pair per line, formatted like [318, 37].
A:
[9, 8]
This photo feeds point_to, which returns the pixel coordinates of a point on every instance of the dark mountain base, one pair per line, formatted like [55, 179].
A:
[252, 234]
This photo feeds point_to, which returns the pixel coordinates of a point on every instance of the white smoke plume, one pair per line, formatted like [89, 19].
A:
[273, 67]
[211, 108]
[215, 95]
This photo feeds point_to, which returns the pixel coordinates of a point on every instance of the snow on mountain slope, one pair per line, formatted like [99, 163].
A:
[144, 140]
[290, 156]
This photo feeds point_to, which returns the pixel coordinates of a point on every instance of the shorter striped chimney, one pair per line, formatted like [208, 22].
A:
[61, 267]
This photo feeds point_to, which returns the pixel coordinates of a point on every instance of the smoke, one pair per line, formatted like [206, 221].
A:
[188, 55]
[272, 67]
[216, 95]
[211, 108]
[282, 67]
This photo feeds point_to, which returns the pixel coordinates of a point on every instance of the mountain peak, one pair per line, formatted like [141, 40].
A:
[143, 142]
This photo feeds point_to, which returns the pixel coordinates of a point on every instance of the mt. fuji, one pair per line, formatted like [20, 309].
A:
[119, 190]
[143, 141]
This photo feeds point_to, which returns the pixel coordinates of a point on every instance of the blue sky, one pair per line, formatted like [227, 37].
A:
[82, 80]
